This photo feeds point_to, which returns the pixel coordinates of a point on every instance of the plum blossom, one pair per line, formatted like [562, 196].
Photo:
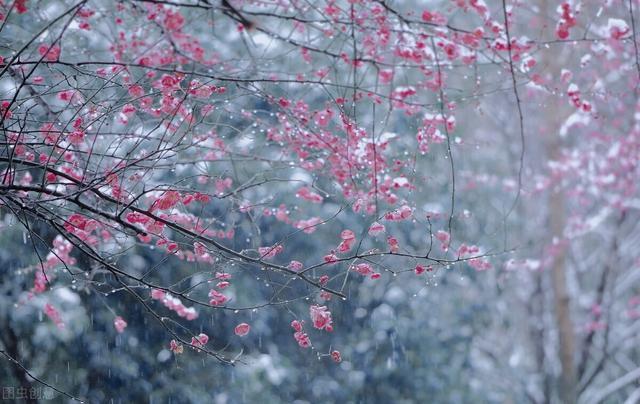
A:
[175, 304]
[175, 347]
[295, 265]
[466, 251]
[270, 252]
[50, 54]
[217, 298]
[301, 337]
[330, 258]
[402, 213]
[119, 324]
[365, 269]
[566, 21]
[200, 341]
[348, 238]
[297, 325]
[242, 329]
[444, 239]
[479, 264]
[617, 28]
[173, 21]
[394, 246]
[168, 200]
[321, 317]
[308, 195]
[376, 228]
[157, 294]
[54, 315]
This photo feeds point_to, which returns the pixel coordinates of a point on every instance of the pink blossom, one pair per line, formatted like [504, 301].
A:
[40, 282]
[295, 265]
[444, 239]
[190, 313]
[224, 276]
[222, 185]
[308, 226]
[270, 252]
[566, 21]
[393, 244]
[386, 76]
[66, 95]
[465, 250]
[199, 248]
[302, 339]
[308, 195]
[335, 355]
[136, 91]
[50, 54]
[76, 137]
[376, 228]
[330, 258]
[242, 329]
[119, 324]
[617, 28]
[53, 314]
[363, 268]
[135, 217]
[175, 304]
[405, 211]
[175, 347]
[200, 341]
[173, 21]
[217, 298]
[128, 109]
[21, 6]
[345, 245]
[168, 200]
[433, 17]
[321, 317]
[168, 82]
[297, 325]
[347, 235]
[479, 264]
[284, 103]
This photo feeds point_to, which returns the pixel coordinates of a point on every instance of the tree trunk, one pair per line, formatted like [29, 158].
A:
[566, 335]
[557, 220]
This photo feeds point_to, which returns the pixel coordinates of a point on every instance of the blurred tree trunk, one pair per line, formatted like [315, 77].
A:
[557, 221]
[566, 335]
